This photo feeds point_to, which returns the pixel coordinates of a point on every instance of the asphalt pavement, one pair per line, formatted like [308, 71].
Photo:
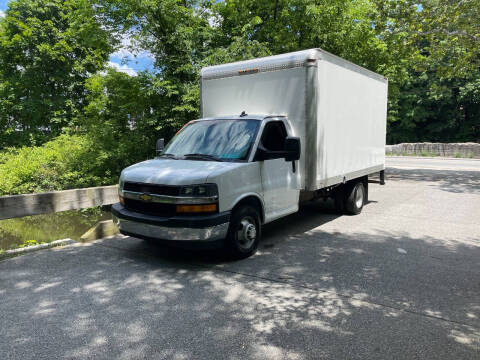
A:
[399, 281]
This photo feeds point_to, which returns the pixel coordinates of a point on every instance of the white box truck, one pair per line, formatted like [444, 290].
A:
[274, 132]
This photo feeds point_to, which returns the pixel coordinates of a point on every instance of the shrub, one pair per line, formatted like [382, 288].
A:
[68, 161]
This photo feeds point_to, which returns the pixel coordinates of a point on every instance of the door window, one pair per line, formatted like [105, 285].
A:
[273, 137]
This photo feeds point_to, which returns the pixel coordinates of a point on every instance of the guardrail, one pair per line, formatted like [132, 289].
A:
[33, 204]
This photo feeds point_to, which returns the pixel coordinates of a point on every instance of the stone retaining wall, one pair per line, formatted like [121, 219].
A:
[467, 150]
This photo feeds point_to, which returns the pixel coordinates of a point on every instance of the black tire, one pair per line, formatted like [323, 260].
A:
[242, 239]
[355, 200]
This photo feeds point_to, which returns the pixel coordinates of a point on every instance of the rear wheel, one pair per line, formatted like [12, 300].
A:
[244, 232]
[355, 200]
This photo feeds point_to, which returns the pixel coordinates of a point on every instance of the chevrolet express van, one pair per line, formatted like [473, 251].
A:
[274, 132]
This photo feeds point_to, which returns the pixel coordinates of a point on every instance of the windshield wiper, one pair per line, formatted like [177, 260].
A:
[203, 156]
[170, 156]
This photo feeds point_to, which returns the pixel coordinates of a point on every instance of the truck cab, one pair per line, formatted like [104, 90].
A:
[217, 180]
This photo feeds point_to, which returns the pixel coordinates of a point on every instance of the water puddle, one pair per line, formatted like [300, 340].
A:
[49, 227]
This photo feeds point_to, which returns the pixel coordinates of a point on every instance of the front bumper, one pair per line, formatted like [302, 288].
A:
[180, 228]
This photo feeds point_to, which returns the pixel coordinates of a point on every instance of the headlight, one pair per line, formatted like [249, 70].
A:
[204, 190]
[121, 183]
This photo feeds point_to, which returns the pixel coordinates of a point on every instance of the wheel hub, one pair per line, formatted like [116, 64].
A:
[250, 232]
[247, 233]
[359, 197]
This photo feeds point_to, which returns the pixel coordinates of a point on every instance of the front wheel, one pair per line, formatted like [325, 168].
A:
[244, 232]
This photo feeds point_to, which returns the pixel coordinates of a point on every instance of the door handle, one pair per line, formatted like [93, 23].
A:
[293, 167]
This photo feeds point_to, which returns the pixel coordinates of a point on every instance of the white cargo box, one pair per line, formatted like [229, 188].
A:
[337, 108]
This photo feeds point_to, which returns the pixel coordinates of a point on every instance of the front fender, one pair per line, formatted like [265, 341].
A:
[235, 184]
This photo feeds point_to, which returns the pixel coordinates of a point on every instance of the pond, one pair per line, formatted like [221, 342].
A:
[49, 227]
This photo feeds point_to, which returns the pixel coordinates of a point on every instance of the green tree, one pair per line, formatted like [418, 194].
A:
[436, 101]
[125, 116]
[48, 48]
[342, 27]
[177, 34]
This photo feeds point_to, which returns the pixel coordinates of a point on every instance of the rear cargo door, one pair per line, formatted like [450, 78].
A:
[279, 181]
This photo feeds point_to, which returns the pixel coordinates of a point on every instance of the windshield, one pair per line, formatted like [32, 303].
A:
[221, 139]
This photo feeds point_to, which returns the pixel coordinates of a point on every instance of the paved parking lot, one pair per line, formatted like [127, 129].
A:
[399, 281]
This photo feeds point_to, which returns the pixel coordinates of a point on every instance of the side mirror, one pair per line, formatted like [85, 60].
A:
[160, 145]
[292, 148]
[291, 151]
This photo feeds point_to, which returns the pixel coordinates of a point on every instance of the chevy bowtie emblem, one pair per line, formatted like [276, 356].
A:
[145, 197]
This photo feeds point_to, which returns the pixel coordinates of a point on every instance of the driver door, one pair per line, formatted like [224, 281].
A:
[280, 184]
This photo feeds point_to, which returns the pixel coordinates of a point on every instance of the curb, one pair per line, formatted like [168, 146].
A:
[28, 249]
[100, 230]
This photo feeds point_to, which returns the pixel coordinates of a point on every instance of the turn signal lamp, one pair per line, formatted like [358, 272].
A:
[196, 208]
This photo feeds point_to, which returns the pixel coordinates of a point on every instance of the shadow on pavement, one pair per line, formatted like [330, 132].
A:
[446, 180]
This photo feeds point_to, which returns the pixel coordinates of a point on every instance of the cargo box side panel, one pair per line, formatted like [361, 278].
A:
[351, 124]
[279, 92]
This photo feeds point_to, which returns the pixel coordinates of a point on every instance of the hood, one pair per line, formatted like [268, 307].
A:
[175, 172]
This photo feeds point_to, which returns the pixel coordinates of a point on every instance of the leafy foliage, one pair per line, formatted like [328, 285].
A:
[443, 40]
[69, 161]
[48, 48]
[124, 116]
